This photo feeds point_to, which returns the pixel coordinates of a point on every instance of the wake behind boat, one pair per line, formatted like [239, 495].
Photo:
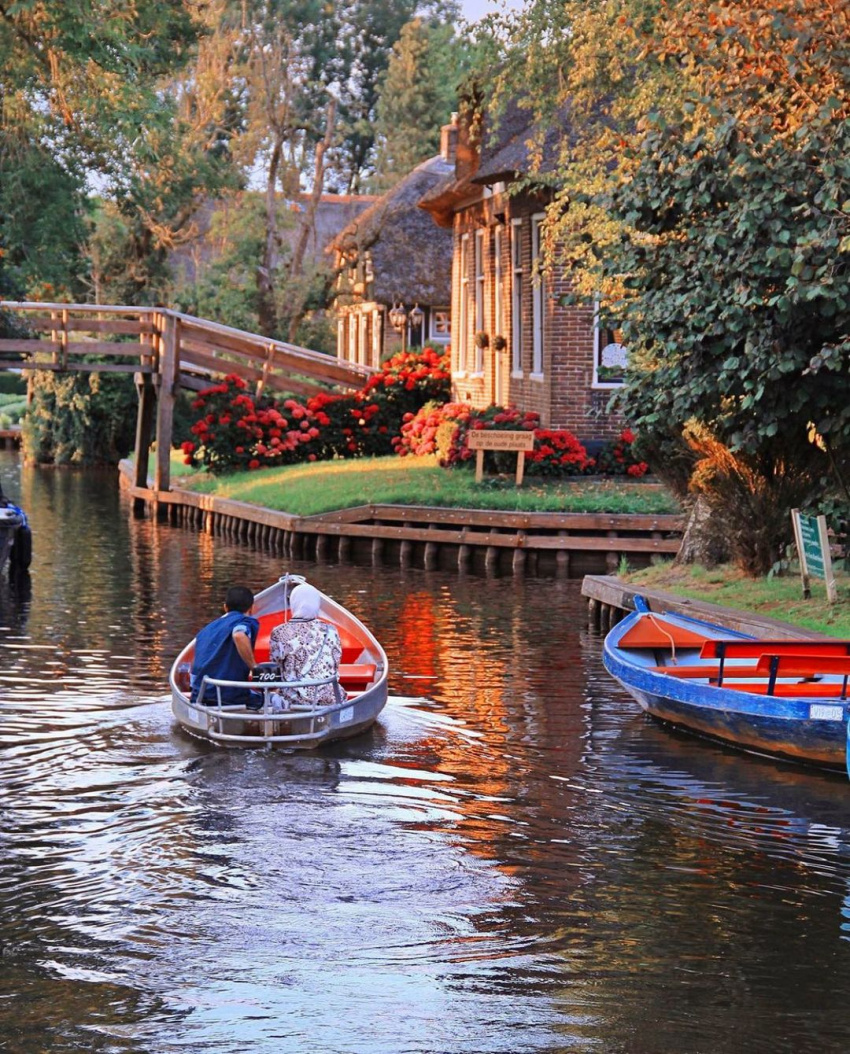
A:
[362, 682]
[784, 698]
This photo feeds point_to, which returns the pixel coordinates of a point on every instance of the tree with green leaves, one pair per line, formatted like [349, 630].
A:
[419, 91]
[704, 201]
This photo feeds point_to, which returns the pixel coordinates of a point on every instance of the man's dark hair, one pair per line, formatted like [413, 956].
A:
[239, 598]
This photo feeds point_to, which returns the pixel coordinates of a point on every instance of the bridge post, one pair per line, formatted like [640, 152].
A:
[144, 427]
[168, 324]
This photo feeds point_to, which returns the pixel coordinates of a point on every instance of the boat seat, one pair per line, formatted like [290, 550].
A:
[711, 672]
[805, 665]
[754, 649]
[352, 648]
[653, 632]
[356, 676]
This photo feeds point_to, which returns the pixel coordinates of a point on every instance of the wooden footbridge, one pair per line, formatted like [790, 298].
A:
[165, 350]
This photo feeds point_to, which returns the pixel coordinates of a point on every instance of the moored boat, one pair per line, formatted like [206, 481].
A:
[362, 683]
[784, 698]
[15, 536]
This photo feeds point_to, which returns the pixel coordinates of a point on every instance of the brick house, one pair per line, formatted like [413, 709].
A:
[514, 341]
[391, 255]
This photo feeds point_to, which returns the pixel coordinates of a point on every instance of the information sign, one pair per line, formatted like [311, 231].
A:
[812, 540]
[481, 439]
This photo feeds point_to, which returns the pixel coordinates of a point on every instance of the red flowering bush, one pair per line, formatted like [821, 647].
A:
[618, 457]
[366, 422]
[237, 431]
[557, 453]
[442, 430]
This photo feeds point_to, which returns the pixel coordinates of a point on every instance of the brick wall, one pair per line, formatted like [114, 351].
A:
[562, 392]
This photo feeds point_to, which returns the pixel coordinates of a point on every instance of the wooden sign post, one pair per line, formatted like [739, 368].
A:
[482, 439]
[813, 549]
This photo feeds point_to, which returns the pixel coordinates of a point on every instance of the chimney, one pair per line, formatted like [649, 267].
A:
[448, 140]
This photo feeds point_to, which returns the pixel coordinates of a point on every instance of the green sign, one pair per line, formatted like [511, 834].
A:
[812, 548]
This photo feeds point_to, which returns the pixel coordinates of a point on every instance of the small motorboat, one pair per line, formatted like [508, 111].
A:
[362, 679]
[783, 698]
[15, 536]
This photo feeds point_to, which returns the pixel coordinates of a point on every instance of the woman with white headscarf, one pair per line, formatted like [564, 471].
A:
[306, 648]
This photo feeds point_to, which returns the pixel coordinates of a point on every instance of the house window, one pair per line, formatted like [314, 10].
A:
[537, 300]
[441, 325]
[516, 297]
[463, 320]
[479, 298]
[352, 338]
[610, 356]
[498, 306]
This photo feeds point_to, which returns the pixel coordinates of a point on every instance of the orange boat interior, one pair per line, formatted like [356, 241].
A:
[800, 662]
[354, 674]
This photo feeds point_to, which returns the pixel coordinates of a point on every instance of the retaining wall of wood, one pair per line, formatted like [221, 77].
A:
[567, 545]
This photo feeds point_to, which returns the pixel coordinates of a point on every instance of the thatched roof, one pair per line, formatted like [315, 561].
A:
[511, 145]
[411, 261]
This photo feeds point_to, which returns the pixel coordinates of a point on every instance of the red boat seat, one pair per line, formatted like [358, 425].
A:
[754, 649]
[352, 648]
[711, 671]
[354, 677]
[654, 632]
[805, 665]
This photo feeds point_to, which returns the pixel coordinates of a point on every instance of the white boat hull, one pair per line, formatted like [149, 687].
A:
[300, 727]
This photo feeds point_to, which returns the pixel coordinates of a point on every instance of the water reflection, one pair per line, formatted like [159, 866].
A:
[513, 860]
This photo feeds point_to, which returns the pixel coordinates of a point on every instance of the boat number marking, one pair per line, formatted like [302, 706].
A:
[818, 712]
[346, 714]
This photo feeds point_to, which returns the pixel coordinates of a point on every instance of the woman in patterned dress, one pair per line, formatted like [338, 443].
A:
[306, 648]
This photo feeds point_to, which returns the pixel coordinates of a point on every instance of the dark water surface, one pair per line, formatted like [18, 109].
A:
[513, 860]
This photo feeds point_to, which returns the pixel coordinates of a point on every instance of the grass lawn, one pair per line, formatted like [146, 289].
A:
[779, 598]
[322, 486]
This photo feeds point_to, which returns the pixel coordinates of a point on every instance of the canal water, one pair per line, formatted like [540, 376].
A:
[514, 860]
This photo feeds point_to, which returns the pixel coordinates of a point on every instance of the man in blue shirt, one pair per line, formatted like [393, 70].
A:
[224, 649]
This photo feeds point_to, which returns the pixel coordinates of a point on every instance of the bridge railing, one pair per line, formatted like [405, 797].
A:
[173, 350]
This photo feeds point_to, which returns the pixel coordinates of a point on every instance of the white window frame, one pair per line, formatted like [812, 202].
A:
[463, 313]
[516, 298]
[376, 337]
[598, 331]
[440, 336]
[352, 338]
[499, 291]
[538, 300]
[478, 262]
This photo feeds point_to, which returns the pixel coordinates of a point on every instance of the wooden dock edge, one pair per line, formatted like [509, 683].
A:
[609, 599]
[563, 545]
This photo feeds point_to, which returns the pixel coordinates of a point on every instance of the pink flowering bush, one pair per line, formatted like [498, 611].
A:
[234, 430]
[618, 457]
[443, 430]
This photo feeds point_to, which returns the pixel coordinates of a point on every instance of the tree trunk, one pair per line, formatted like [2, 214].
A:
[266, 307]
[296, 267]
[704, 541]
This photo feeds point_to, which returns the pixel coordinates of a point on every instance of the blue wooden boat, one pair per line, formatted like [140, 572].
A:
[783, 698]
[15, 536]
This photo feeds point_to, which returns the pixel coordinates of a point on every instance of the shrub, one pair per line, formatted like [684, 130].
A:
[557, 453]
[442, 430]
[237, 431]
[619, 458]
[366, 422]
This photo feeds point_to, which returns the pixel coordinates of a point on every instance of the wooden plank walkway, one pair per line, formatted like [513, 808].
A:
[609, 599]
